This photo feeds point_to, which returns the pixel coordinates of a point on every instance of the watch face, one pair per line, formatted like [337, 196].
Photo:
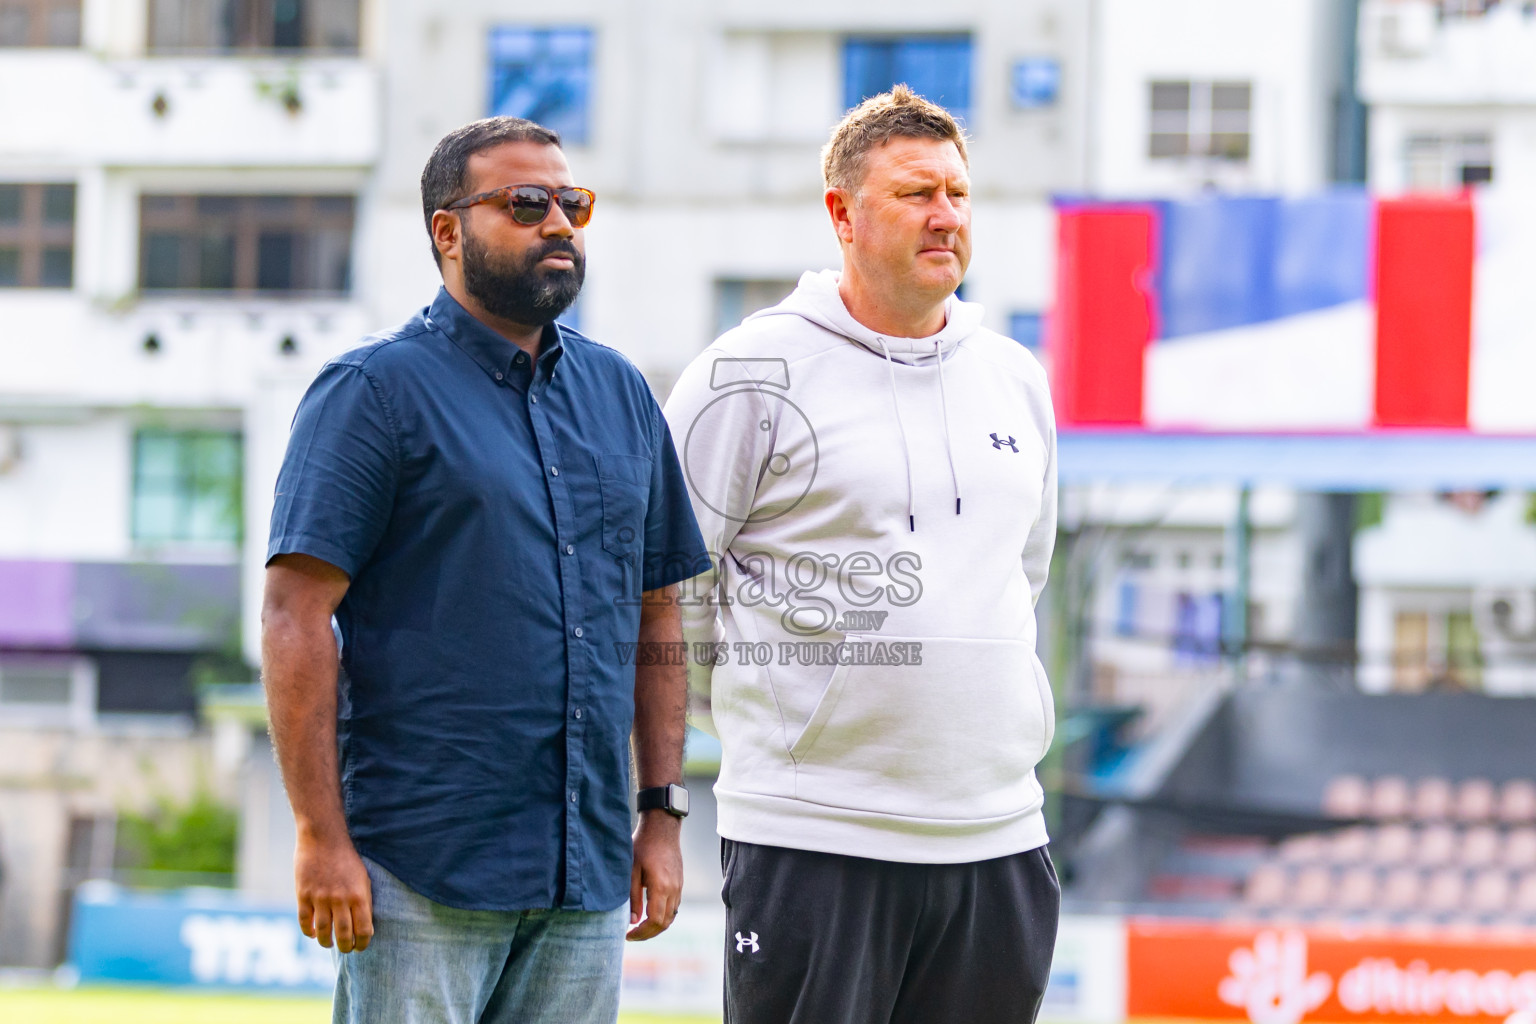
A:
[677, 798]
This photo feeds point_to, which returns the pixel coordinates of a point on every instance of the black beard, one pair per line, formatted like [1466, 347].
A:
[518, 289]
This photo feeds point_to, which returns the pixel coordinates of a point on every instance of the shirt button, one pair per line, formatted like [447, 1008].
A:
[534, 399]
[576, 631]
[554, 470]
[498, 376]
[573, 796]
[570, 549]
[522, 357]
[578, 712]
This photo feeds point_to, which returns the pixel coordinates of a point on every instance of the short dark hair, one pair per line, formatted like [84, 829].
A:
[446, 176]
[898, 114]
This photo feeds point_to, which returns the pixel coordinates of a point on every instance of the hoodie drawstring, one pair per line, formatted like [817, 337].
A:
[906, 452]
[949, 447]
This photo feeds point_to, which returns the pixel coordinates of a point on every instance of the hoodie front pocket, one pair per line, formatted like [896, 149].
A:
[955, 735]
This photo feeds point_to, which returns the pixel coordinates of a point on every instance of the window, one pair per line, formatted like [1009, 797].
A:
[187, 487]
[1028, 329]
[545, 75]
[37, 236]
[1465, 8]
[1201, 119]
[245, 243]
[47, 690]
[221, 26]
[936, 67]
[39, 22]
[1034, 82]
[1448, 162]
[736, 299]
[774, 87]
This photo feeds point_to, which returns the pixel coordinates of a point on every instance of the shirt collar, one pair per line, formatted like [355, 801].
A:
[491, 351]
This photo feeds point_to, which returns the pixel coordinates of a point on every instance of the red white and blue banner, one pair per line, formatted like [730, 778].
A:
[1338, 312]
[1404, 323]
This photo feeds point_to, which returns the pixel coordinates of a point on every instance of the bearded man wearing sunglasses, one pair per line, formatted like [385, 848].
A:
[483, 509]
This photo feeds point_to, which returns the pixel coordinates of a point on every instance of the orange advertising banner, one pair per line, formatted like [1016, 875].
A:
[1286, 975]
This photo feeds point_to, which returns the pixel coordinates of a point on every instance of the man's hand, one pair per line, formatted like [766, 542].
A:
[658, 873]
[334, 893]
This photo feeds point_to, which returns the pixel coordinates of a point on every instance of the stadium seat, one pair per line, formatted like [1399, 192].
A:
[1389, 797]
[1479, 846]
[1445, 892]
[1475, 801]
[1490, 891]
[1357, 890]
[1431, 799]
[1436, 845]
[1306, 848]
[1346, 796]
[1401, 890]
[1350, 845]
[1517, 802]
[1392, 844]
[1266, 886]
[1520, 848]
[1313, 889]
[1524, 900]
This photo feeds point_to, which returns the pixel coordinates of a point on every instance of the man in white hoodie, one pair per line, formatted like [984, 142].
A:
[874, 474]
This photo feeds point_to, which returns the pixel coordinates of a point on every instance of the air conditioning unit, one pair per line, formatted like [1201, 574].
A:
[1403, 28]
[1505, 618]
[1505, 615]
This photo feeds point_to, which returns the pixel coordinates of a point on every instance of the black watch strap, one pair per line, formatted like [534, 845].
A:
[671, 798]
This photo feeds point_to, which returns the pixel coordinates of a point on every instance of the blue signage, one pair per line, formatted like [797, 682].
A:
[193, 937]
[1035, 82]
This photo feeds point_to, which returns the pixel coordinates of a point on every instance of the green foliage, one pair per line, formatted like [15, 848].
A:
[1530, 509]
[198, 836]
[1368, 509]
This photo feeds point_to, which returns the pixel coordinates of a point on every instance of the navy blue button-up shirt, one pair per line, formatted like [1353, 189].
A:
[498, 520]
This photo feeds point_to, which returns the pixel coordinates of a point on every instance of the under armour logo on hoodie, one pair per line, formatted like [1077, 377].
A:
[746, 942]
[998, 442]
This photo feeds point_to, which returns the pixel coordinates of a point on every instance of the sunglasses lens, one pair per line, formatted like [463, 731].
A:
[577, 207]
[528, 204]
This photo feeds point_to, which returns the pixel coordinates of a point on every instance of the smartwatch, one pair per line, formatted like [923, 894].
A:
[671, 798]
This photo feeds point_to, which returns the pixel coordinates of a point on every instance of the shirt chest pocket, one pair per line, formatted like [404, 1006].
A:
[625, 484]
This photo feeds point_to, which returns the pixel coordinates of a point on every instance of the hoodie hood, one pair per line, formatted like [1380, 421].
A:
[816, 299]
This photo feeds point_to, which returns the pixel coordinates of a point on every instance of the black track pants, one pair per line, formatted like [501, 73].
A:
[818, 938]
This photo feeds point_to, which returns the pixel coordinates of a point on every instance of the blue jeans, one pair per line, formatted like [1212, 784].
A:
[431, 964]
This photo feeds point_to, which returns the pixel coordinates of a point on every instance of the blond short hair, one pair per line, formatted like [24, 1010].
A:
[900, 113]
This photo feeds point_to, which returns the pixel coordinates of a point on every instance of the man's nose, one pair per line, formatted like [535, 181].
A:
[944, 217]
[556, 224]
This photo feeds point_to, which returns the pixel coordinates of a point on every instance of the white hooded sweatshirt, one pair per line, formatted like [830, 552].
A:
[880, 514]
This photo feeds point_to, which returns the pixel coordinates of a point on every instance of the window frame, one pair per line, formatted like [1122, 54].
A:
[33, 236]
[194, 220]
[250, 28]
[77, 713]
[1199, 122]
[39, 31]
[542, 37]
[183, 491]
[856, 92]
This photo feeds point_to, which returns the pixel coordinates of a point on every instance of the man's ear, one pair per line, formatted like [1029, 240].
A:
[446, 234]
[840, 209]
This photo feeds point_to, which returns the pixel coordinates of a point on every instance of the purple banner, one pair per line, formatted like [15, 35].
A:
[37, 604]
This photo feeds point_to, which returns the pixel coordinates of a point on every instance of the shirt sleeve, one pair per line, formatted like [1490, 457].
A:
[336, 488]
[674, 549]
